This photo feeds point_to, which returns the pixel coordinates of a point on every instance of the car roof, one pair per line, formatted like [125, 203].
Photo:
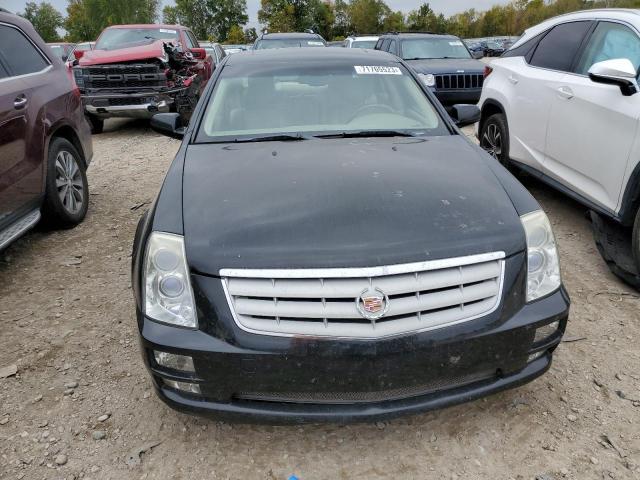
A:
[356, 56]
[276, 36]
[355, 38]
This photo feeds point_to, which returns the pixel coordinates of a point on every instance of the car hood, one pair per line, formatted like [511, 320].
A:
[139, 52]
[342, 203]
[447, 65]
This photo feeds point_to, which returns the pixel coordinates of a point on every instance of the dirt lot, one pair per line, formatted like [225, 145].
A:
[67, 322]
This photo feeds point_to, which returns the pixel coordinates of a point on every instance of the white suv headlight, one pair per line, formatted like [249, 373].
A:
[543, 264]
[168, 297]
[428, 79]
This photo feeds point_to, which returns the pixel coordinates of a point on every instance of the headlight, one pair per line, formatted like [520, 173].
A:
[428, 79]
[543, 264]
[167, 292]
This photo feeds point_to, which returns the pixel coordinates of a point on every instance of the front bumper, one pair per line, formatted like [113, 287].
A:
[140, 105]
[254, 378]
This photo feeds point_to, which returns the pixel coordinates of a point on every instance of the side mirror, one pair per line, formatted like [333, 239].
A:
[65, 58]
[619, 71]
[78, 54]
[465, 115]
[477, 55]
[199, 53]
[169, 124]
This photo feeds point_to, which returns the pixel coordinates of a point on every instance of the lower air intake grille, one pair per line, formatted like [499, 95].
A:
[365, 302]
[367, 397]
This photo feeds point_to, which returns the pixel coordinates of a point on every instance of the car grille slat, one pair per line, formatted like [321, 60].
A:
[323, 302]
[460, 81]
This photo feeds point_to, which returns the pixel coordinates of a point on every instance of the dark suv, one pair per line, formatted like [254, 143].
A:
[45, 143]
[443, 62]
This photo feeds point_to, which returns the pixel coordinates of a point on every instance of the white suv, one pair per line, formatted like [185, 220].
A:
[563, 104]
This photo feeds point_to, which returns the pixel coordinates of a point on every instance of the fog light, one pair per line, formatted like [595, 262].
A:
[546, 331]
[183, 363]
[536, 355]
[182, 386]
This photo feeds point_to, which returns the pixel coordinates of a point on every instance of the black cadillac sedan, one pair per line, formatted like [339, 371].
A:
[328, 246]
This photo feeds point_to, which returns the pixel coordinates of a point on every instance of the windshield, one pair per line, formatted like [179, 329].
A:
[250, 101]
[364, 44]
[288, 42]
[414, 49]
[113, 38]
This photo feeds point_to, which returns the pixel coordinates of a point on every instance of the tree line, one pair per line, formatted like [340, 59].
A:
[223, 20]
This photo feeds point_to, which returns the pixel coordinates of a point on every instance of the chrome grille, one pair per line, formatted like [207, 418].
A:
[322, 302]
[459, 81]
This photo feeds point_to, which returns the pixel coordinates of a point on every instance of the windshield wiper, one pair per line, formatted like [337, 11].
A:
[368, 133]
[271, 138]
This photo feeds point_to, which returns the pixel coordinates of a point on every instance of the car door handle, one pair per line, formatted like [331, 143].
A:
[20, 102]
[513, 79]
[565, 92]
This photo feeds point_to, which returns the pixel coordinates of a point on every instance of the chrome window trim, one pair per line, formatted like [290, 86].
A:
[398, 269]
[361, 272]
[42, 54]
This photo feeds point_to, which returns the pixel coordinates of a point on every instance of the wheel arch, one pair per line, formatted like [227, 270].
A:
[68, 133]
[490, 107]
[631, 198]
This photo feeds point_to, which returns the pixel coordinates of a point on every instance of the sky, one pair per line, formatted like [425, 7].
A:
[447, 7]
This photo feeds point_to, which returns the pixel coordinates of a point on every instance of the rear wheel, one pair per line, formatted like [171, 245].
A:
[97, 124]
[494, 137]
[67, 191]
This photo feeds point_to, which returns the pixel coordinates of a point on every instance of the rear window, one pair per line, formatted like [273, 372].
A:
[19, 55]
[252, 100]
[364, 44]
[113, 38]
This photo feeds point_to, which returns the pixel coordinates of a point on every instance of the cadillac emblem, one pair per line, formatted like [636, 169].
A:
[372, 304]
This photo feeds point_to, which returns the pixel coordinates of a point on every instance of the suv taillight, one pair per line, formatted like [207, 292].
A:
[487, 71]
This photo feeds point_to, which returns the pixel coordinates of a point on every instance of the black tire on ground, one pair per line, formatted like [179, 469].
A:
[615, 246]
[97, 124]
[635, 240]
[67, 191]
[494, 137]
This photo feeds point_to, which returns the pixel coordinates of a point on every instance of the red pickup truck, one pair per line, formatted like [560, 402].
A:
[137, 71]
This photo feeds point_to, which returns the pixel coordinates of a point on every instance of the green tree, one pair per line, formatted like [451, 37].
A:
[45, 19]
[367, 16]
[87, 18]
[236, 35]
[208, 19]
[394, 22]
[250, 35]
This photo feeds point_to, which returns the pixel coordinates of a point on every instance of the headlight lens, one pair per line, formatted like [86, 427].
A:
[543, 264]
[168, 294]
[428, 79]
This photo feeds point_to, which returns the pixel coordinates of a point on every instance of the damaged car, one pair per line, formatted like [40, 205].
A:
[328, 245]
[137, 71]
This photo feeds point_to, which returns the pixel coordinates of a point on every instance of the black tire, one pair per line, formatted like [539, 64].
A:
[615, 246]
[496, 125]
[67, 191]
[97, 124]
[635, 240]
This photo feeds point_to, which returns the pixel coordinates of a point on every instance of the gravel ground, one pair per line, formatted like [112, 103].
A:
[81, 404]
